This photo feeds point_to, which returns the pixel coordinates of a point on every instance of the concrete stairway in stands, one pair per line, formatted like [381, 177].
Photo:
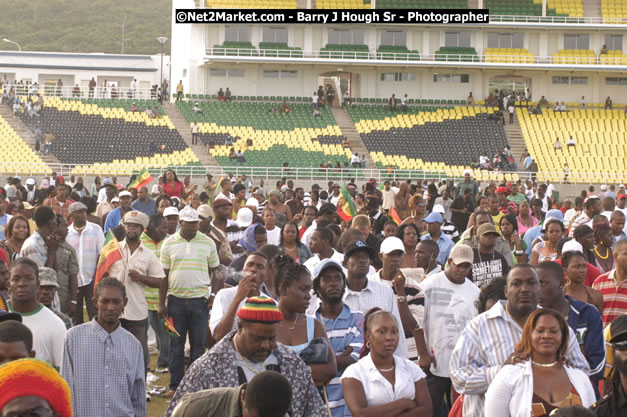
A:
[515, 137]
[591, 8]
[183, 127]
[25, 133]
[347, 127]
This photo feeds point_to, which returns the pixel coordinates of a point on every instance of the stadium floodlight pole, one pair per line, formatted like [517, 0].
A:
[162, 40]
[14, 43]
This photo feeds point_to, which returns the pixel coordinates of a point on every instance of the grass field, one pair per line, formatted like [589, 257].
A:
[158, 406]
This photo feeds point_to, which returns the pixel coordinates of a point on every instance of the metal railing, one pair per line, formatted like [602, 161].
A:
[558, 20]
[120, 93]
[416, 57]
[303, 174]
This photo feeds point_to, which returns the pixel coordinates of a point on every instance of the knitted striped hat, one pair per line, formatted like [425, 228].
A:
[34, 377]
[261, 310]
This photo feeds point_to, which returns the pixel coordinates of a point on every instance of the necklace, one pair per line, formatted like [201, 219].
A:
[293, 324]
[481, 260]
[386, 369]
[544, 365]
[250, 368]
[607, 253]
[78, 229]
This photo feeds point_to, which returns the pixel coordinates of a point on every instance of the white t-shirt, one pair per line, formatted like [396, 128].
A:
[448, 309]
[48, 334]
[377, 389]
[388, 199]
[315, 260]
[274, 236]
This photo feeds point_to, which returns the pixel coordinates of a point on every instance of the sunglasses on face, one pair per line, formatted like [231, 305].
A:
[620, 346]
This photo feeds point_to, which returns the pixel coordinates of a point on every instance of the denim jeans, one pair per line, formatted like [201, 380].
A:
[163, 339]
[191, 317]
[139, 329]
[439, 390]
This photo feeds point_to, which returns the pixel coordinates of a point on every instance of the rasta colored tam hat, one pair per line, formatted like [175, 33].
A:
[260, 310]
[26, 377]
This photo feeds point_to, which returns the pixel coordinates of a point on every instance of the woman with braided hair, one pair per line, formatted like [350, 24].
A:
[292, 284]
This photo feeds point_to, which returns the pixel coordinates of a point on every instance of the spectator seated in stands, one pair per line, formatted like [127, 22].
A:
[608, 103]
[196, 109]
[346, 144]
[285, 109]
[232, 155]
[537, 109]
[227, 94]
[272, 110]
[392, 103]
[543, 102]
[557, 145]
[221, 95]
[571, 142]
[76, 91]
[240, 157]
[316, 112]
[157, 113]
[470, 99]
[603, 50]
[134, 107]
[229, 140]
[151, 113]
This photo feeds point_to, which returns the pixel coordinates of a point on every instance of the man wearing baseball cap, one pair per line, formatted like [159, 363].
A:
[138, 268]
[448, 228]
[47, 288]
[487, 262]
[446, 294]
[344, 326]
[31, 191]
[189, 259]
[434, 223]
[171, 215]
[115, 216]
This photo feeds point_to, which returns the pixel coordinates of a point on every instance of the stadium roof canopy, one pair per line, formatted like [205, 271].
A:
[71, 61]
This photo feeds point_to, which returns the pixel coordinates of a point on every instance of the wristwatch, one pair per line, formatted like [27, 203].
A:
[73, 302]
[401, 298]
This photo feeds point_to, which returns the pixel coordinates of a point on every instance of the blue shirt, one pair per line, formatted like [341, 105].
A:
[4, 219]
[114, 218]
[531, 235]
[445, 244]
[105, 372]
[346, 330]
[148, 208]
[587, 324]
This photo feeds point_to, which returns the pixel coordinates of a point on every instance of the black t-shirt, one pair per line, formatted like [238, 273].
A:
[461, 219]
[486, 267]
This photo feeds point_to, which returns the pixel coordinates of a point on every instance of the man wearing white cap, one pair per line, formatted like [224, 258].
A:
[188, 258]
[31, 191]
[171, 215]
[449, 304]
[434, 223]
[115, 216]
[138, 268]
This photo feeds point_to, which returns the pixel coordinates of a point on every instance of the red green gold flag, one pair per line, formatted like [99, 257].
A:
[108, 256]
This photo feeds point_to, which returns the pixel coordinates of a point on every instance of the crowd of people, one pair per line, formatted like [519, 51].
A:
[405, 298]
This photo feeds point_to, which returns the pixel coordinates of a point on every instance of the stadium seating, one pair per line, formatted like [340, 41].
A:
[574, 56]
[599, 136]
[268, 138]
[509, 55]
[517, 8]
[107, 138]
[613, 57]
[614, 11]
[444, 140]
[570, 8]
[18, 156]
[422, 4]
[253, 4]
[457, 54]
[398, 53]
[277, 49]
[342, 4]
[236, 49]
[340, 51]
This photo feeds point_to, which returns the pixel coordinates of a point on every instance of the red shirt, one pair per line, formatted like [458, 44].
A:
[173, 191]
[614, 298]
[592, 272]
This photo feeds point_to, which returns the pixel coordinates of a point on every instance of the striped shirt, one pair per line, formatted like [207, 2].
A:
[152, 294]
[614, 298]
[35, 249]
[343, 331]
[87, 245]
[105, 371]
[188, 264]
[483, 347]
[377, 294]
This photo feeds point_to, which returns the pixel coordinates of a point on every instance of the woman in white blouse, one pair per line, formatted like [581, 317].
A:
[381, 384]
[540, 381]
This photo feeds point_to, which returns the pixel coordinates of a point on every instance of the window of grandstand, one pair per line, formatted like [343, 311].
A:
[237, 33]
[574, 41]
[451, 78]
[280, 74]
[614, 42]
[394, 37]
[562, 79]
[506, 40]
[615, 81]
[274, 34]
[457, 39]
[223, 72]
[346, 36]
[398, 76]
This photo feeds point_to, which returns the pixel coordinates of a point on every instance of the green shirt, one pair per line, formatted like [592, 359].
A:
[152, 294]
[518, 198]
[188, 264]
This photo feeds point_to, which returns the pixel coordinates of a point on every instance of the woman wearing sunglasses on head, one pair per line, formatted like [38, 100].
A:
[543, 381]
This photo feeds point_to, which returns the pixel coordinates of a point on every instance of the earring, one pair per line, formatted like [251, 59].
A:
[413, 213]
[368, 345]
